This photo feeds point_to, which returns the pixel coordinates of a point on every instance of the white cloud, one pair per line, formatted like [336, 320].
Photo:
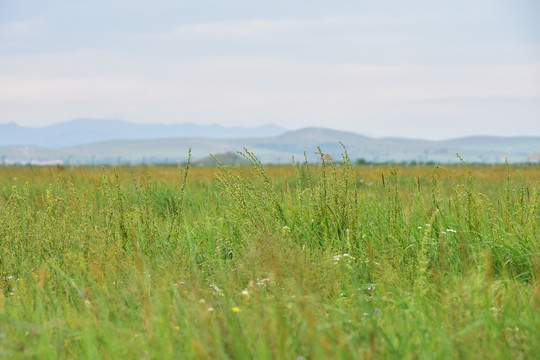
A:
[257, 27]
[248, 28]
[18, 28]
[379, 22]
[372, 99]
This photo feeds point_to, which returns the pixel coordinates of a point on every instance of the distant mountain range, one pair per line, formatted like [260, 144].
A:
[84, 131]
[86, 142]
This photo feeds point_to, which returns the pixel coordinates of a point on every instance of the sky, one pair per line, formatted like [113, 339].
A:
[416, 69]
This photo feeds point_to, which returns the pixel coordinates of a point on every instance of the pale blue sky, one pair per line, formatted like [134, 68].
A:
[426, 69]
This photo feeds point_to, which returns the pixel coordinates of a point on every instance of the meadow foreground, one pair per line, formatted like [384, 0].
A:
[298, 262]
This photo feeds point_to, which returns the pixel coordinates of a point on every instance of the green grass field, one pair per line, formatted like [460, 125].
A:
[298, 262]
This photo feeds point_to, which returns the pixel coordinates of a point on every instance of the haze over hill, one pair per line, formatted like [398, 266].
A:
[83, 131]
[106, 142]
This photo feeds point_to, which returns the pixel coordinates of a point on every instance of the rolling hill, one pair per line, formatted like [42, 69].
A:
[276, 148]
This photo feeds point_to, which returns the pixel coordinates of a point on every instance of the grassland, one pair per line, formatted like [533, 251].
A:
[298, 262]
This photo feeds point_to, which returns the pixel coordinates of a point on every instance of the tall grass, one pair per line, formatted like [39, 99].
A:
[306, 261]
